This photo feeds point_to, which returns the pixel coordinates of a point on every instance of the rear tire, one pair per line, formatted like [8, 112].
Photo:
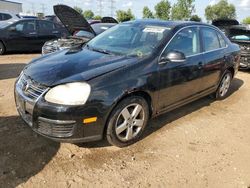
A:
[2, 48]
[127, 121]
[223, 89]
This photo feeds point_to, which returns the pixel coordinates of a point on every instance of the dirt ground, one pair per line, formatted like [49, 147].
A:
[203, 144]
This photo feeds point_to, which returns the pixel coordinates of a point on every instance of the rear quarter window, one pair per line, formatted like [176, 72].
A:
[223, 43]
[210, 39]
[4, 16]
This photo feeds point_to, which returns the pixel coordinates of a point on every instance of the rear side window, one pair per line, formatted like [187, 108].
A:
[210, 39]
[4, 16]
[45, 26]
[223, 43]
[186, 41]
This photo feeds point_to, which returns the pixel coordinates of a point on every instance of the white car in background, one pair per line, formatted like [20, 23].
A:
[9, 17]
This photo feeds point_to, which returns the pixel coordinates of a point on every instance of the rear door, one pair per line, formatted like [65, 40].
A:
[181, 80]
[214, 48]
[22, 36]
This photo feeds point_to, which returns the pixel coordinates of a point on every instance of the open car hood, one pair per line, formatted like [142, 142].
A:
[240, 33]
[72, 20]
[108, 20]
[224, 22]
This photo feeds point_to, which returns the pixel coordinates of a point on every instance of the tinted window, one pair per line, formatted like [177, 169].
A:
[186, 41]
[222, 41]
[45, 26]
[4, 16]
[85, 34]
[99, 28]
[25, 26]
[210, 38]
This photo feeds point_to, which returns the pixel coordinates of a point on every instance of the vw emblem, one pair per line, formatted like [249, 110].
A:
[26, 87]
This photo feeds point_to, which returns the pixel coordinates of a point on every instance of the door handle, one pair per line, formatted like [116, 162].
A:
[33, 33]
[55, 32]
[200, 65]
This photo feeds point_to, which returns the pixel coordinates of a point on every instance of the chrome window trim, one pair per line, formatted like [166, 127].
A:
[199, 27]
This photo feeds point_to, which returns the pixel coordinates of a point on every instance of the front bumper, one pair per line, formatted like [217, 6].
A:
[61, 123]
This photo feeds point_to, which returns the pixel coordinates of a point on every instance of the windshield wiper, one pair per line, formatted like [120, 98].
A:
[98, 50]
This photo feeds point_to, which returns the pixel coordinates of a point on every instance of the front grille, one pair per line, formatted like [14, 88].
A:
[245, 49]
[55, 128]
[30, 88]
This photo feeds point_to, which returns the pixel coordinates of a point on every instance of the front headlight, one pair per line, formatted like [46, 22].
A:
[76, 93]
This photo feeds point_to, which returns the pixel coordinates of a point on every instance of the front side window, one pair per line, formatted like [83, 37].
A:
[186, 41]
[130, 40]
[210, 39]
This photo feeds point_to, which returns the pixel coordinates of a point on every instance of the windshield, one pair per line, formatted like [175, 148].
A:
[241, 37]
[240, 34]
[129, 40]
[85, 34]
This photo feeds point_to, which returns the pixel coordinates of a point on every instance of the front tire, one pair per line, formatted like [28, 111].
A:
[127, 121]
[225, 83]
[2, 48]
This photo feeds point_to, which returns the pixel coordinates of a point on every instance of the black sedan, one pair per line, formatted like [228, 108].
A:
[28, 34]
[134, 71]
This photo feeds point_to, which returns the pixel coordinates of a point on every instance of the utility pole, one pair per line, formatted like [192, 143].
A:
[112, 7]
[100, 6]
[43, 8]
[33, 8]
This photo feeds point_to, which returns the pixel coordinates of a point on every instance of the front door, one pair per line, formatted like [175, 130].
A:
[181, 80]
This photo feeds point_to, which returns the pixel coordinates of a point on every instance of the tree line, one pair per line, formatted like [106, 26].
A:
[181, 10]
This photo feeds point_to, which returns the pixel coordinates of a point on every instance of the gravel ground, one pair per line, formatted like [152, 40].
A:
[203, 144]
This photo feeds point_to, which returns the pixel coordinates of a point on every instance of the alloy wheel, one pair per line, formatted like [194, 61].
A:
[129, 122]
[225, 84]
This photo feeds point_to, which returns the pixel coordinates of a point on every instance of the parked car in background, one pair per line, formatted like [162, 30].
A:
[110, 87]
[28, 34]
[7, 16]
[29, 17]
[239, 34]
[53, 18]
[225, 24]
[81, 30]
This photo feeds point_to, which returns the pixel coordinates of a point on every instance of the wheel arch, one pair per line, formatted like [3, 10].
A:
[142, 94]
[231, 69]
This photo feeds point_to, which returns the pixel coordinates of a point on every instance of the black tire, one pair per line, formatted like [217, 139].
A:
[2, 48]
[131, 104]
[219, 95]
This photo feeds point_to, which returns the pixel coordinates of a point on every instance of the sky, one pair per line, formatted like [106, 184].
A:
[242, 6]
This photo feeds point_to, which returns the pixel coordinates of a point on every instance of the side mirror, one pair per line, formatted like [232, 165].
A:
[12, 29]
[174, 57]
